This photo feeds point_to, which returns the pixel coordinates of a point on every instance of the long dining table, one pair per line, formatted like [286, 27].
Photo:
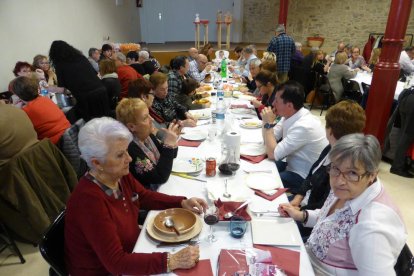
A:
[214, 186]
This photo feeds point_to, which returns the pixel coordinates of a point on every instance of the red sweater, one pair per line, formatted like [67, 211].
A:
[126, 74]
[48, 120]
[101, 231]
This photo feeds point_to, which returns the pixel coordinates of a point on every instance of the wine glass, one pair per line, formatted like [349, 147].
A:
[211, 217]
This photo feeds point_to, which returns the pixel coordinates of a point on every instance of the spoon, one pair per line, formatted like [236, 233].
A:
[170, 224]
[230, 214]
[226, 194]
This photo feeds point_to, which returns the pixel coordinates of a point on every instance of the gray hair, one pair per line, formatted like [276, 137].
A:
[280, 28]
[255, 62]
[94, 137]
[91, 51]
[121, 57]
[248, 49]
[359, 149]
[144, 55]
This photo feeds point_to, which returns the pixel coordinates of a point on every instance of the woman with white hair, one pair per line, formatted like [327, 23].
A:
[359, 230]
[144, 59]
[101, 219]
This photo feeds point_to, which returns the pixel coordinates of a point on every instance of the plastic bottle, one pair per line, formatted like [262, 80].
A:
[43, 88]
[220, 116]
[223, 69]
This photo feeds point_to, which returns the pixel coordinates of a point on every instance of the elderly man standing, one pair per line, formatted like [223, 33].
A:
[303, 137]
[199, 67]
[180, 66]
[192, 54]
[93, 57]
[284, 48]
[126, 73]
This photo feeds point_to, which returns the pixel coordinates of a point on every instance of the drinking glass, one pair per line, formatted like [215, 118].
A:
[211, 217]
[237, 227]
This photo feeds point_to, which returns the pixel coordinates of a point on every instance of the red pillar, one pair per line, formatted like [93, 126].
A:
[387, 71]
[283, 12]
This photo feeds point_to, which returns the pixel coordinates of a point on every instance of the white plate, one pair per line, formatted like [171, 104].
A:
[201, 114]
[252, 149]
[262, 181]
[246, 97]
[263, 232]
[251, 124]
[187, 165]
[241, 111]
[194, 135]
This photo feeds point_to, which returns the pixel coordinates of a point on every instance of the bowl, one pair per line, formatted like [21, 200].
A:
[184, 221]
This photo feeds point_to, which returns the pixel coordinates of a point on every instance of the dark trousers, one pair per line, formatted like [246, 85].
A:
[290, 180]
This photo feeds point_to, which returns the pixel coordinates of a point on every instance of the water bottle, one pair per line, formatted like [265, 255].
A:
[43, 88]
[223, 70]
[220, 116]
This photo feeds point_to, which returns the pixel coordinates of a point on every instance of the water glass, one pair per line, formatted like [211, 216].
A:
[237, 227]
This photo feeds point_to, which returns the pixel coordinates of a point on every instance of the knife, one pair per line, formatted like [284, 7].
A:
[183, 175]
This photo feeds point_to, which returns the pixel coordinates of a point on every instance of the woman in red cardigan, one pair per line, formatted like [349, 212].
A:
[101, 221]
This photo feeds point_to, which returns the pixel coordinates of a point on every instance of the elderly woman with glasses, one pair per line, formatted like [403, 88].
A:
[152, 160]
[101, 226]
[359, 230]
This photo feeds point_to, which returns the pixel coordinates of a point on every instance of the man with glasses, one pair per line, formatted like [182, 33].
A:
[199, 68]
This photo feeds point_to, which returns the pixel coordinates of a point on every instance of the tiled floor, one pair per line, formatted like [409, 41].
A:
[401, 189]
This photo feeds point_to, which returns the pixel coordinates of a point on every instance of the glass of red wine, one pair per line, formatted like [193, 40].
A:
[211, 217]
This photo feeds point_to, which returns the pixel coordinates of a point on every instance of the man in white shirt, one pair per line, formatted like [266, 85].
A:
[303, 136]
[93, 57]
[199, 67]
[406, 60]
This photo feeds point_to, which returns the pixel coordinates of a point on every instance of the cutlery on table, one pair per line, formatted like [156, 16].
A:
[183, 175]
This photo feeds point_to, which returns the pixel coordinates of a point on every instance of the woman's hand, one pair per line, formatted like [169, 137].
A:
[287, 210]
[171, 136]
[267, 115]
[256, 103]
[185, 258]
[195, 204]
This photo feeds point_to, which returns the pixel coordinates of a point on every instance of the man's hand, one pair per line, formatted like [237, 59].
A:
[267, 115]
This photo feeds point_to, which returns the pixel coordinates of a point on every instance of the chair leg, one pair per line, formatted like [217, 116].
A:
[10, 243]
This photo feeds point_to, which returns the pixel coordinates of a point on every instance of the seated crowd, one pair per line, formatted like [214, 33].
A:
[134, 113]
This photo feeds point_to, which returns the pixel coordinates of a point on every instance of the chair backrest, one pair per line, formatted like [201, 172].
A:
[405, 262]
[52, 245]
[351, 90]
[226, 54]
[364, 99]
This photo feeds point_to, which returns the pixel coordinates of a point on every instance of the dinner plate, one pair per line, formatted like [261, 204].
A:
[186, 165]
[195, 135]
[262, 181]
[156, 235]
[246, 97]
[241, 110]
[277, 231]
[251, 124]
[252, 149]
[201, 114]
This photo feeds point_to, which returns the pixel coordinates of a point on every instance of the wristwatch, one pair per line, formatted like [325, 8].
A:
[268, 126]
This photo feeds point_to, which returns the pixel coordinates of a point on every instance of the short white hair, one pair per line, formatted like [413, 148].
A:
[121, 57]
[94, 138]
[255, 62]
[298, 45]
[144, 55]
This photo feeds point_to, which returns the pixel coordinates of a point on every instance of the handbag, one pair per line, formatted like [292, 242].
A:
[405, 262]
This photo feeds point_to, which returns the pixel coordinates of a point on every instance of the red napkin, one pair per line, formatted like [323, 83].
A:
[186, 143]
[230, 206]
[279, 192]
[253, 159]
[286, 259]
[203, 267]
[239, 106]
[231, 261]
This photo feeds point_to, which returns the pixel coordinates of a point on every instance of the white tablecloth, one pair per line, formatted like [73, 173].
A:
[190, 188]
[367, 78]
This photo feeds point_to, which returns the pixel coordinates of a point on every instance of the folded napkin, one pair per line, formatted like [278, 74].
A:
[254, 159]
[203, 267]
[186, 143]
[230, 206]
[279, 192]
[231, 261]
[239, 106]
[286, 259]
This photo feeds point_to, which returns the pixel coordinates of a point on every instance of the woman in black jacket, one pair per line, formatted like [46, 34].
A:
[75, 73]
[107, 70]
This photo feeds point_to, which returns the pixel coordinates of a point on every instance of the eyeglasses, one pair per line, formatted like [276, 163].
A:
[350, 176]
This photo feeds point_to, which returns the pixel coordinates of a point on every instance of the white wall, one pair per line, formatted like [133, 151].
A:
[28, 27]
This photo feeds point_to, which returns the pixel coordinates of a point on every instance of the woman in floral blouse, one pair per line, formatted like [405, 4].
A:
[151, 160]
